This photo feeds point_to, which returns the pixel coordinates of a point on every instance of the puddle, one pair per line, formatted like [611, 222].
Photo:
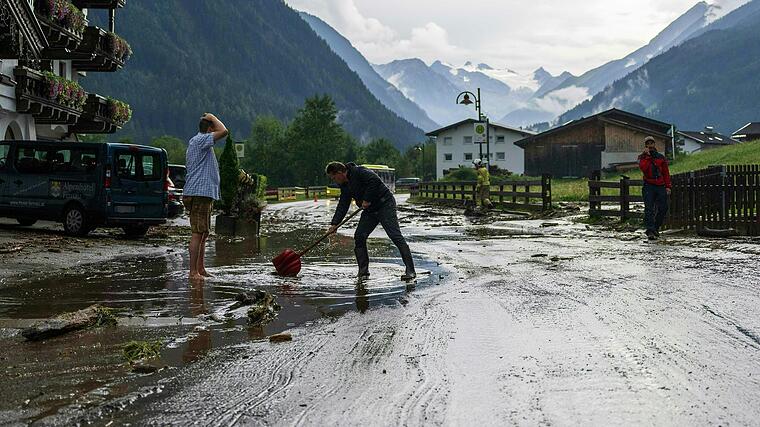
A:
[83, 368]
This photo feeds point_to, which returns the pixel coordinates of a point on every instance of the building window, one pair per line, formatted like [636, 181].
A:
[501, 156]
[447, 140]
[448, 157]
[61, 68]
[468, 156]
[500, 139]
[468, 140]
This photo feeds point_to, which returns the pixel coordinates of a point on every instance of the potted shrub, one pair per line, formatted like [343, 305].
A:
[228, 183]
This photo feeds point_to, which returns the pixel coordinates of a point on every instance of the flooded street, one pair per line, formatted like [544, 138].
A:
[511, 321]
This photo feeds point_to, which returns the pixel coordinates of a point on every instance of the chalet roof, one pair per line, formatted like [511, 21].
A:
[713, 138]
[614, 116]
[752, 128]
[465, 121]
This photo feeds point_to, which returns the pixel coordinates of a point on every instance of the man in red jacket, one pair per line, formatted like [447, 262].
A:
[656, 187]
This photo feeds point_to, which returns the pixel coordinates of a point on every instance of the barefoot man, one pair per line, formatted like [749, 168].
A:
[202, 188]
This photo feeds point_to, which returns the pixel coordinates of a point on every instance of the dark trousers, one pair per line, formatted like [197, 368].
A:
[655, 206]
[386, 216]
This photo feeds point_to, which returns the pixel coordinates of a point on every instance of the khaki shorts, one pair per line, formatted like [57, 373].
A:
[199, 208]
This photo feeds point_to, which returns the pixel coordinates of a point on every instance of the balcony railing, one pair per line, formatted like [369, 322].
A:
[100, 51]
[62, 22]
[102, 115]
[99, 4]
[49, 99]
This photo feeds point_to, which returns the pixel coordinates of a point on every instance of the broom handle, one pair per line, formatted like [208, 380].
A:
[327, 234]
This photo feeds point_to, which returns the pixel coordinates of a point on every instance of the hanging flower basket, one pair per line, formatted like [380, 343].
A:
[120, 48]
[121, 112]
[64, 91]
[65, 14]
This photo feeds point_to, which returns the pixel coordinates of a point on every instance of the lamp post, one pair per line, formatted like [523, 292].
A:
[465, 100]
[421, 169]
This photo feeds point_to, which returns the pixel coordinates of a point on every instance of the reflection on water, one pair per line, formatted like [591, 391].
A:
[155, 291]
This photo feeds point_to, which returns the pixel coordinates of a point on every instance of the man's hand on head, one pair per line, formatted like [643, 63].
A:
[365, 204]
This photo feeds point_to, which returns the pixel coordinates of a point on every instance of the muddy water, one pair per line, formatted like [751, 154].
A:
[55, 380]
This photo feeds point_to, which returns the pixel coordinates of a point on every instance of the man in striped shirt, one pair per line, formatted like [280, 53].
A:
[202, 188]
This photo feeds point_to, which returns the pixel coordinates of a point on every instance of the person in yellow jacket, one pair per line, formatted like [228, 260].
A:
[483, 189]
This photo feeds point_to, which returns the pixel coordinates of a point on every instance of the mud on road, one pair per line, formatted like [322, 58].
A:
[520, 322]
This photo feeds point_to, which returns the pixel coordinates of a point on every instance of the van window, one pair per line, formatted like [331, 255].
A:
[87, 160]
[60, 160]
[151, 166]
[32, 160]
[126, 166]
[4, 151]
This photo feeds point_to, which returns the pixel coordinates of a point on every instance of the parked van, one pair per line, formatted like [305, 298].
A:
[84, 185]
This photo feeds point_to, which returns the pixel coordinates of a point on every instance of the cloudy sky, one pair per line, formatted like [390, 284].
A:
[572, 35]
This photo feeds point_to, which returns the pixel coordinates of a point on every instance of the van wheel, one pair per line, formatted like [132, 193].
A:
[135, 231]
[75, 221]
[26, 222]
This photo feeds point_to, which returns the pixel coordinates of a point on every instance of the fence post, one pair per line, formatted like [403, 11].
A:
[594, 191]
[624, 199]
[546, 192]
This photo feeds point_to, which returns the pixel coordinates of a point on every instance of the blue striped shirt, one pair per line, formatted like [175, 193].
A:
[202, 168]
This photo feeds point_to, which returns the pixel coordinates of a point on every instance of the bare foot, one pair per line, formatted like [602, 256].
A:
[196, 276]
[206, 274]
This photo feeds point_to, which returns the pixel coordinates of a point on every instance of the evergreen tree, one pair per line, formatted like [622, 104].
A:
[229, 171]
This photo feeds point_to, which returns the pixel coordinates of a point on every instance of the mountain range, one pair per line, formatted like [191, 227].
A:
[574, 90]
[239, 59]
[524, 99]
[385, 92]
[711, 79]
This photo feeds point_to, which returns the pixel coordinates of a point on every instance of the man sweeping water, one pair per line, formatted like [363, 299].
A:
[379, 207]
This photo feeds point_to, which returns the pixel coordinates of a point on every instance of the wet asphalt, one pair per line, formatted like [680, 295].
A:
[513, 321]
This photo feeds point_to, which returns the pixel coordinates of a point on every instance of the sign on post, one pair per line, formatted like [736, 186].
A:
[480, 133]
[240, 150]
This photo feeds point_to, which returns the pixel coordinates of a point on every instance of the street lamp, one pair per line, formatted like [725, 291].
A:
[464, 99]
[421, 170]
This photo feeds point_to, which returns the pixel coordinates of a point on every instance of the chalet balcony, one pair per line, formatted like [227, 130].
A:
[99, 4]
[62, 22]
[49, 99]
[100, 51]
[102, 115]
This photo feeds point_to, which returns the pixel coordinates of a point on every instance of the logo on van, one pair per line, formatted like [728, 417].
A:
[71, 190]
[55, 189]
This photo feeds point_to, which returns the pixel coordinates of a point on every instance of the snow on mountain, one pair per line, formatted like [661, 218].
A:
[574, 90]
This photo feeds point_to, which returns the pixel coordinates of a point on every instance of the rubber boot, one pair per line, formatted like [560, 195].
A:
[406, 256]
[362, 259]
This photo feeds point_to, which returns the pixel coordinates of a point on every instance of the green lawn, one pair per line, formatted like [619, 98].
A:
[576, 190]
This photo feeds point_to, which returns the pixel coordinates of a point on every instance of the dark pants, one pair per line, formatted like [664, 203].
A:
[386, 216]
[655, 206]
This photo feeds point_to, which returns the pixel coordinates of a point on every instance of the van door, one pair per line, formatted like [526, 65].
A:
[138, 187]
[5, 177]
[151, 193]
[29, 186]
[73, 176]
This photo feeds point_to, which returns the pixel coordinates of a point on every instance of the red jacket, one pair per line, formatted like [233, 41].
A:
[655, 169]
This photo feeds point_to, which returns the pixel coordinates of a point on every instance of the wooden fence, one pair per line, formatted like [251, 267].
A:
[516, 194]
[718, 197]
[622, 200]
[295, 193]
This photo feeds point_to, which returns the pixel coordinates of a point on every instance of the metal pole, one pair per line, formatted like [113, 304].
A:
[673, 140]
[480, 119]
[488, 144]
[111, 20]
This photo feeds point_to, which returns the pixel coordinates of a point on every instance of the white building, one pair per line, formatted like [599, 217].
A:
[692, 142]
[455, 147]
[45, 49]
